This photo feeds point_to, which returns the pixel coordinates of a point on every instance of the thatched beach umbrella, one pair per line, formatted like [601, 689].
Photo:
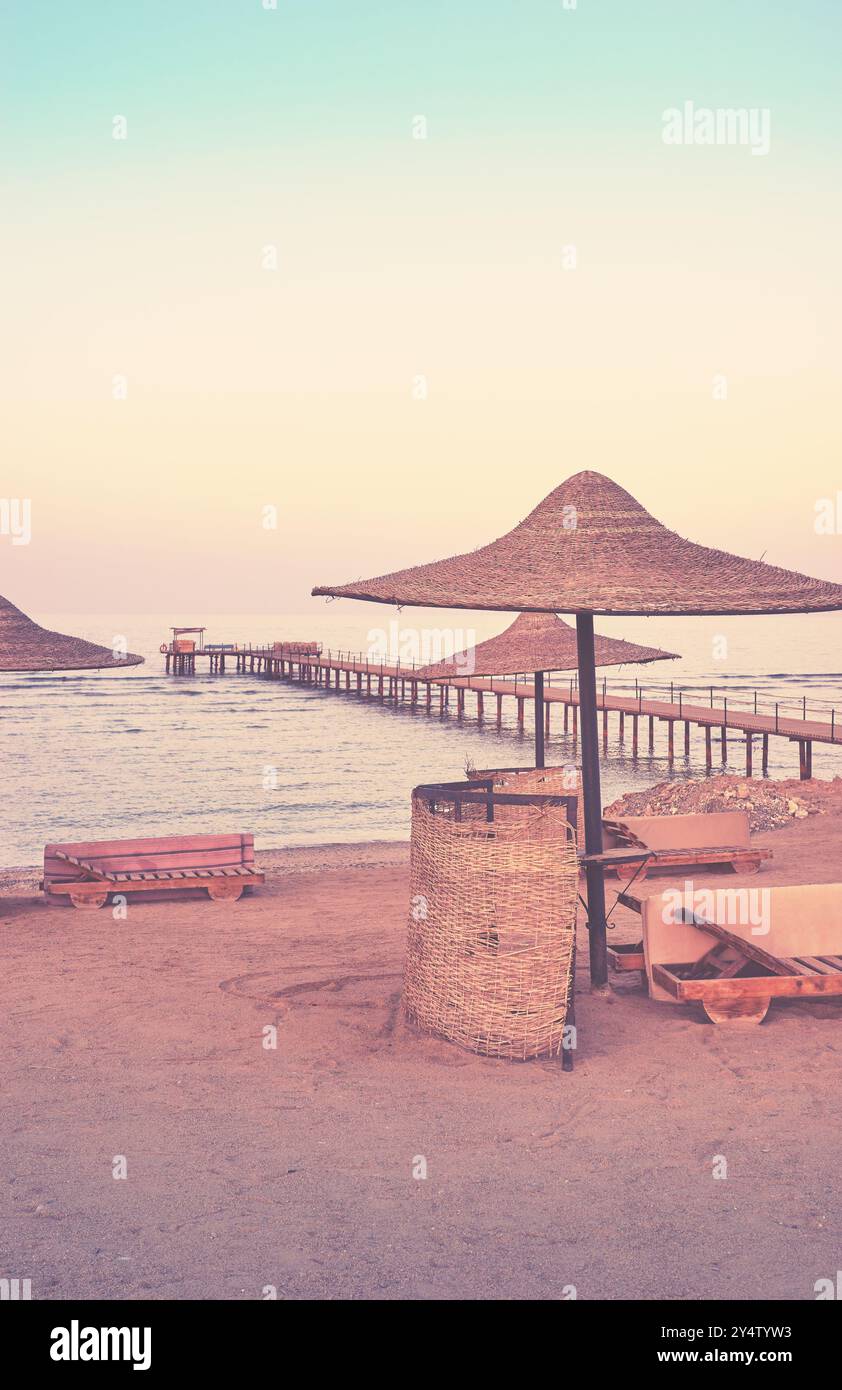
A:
[24, 646]
[589, 548]
[537, 642]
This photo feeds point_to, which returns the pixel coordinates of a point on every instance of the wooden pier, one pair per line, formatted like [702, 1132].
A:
[353, 673]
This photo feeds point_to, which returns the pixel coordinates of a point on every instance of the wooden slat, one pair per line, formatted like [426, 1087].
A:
[142, 885]
[817, 966]
[721, 962]
[162, 844]
[632, 899]
[754, 986]
[82, 864]
[797, 967]
[748, 947]
[704, 855]
[127, 863]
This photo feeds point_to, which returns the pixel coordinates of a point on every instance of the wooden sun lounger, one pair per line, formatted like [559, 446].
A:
[87, 873]
[706, 839]
[736, 979]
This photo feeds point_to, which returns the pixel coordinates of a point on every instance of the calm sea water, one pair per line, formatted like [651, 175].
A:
[96, 755]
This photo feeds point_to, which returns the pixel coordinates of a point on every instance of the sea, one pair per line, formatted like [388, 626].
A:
[96, 755]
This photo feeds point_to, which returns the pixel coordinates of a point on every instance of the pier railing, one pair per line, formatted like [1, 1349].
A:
[715, 697]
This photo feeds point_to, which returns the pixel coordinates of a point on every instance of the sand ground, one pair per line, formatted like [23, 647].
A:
[293, 1168]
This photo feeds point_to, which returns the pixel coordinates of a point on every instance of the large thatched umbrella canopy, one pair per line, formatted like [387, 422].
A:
[24, 646]
[537, 642]
[591, 548]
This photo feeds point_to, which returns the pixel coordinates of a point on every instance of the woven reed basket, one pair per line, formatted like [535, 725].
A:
[491, 927]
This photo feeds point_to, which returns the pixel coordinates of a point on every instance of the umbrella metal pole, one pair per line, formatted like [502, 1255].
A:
[592, 797]
[539, 718]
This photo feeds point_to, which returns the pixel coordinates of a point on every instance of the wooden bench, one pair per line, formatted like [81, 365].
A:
[714, 838]
[735, 977]
[87, 873]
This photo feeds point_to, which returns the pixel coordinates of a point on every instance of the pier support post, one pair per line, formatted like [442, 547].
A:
[622, 725]
[708, 750]
[547, 708]
[429, 694]
[575, 722]
[765, 755]
[460, 701]
[687, 738]
[520, 711]
[604, 729]
[480, 705]
[566, 715]
[670, 741]
[634, 735]
[724, 745]
[499, 711]
[651, 733]
[805, 759]
[441, 699]
[749, 741]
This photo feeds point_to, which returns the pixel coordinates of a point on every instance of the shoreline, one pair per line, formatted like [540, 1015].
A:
[816, 796]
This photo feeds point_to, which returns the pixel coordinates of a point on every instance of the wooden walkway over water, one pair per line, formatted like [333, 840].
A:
[397, 683]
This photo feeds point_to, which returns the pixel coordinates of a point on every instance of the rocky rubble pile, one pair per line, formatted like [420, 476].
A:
[769, 804]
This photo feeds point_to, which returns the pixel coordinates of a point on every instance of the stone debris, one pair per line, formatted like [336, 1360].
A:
[769, 804]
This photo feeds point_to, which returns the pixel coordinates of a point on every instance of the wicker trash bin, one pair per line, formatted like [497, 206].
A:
[491, 937]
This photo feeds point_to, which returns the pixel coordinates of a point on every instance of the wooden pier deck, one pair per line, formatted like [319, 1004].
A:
[396, 683]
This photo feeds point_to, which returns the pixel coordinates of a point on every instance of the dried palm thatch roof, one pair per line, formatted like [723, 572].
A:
[24, 646]
[590, 547]
[537, 642]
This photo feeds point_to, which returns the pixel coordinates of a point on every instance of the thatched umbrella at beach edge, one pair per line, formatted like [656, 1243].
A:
[591, 548]
[24, 646]
[537, 643]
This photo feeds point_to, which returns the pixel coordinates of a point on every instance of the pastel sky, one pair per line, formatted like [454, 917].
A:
[399, 258]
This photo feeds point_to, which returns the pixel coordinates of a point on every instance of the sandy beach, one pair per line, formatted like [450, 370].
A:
[251, 1168]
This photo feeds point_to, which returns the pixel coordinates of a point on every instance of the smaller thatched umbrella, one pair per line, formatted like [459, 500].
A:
[24, 646]
[538, 642]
